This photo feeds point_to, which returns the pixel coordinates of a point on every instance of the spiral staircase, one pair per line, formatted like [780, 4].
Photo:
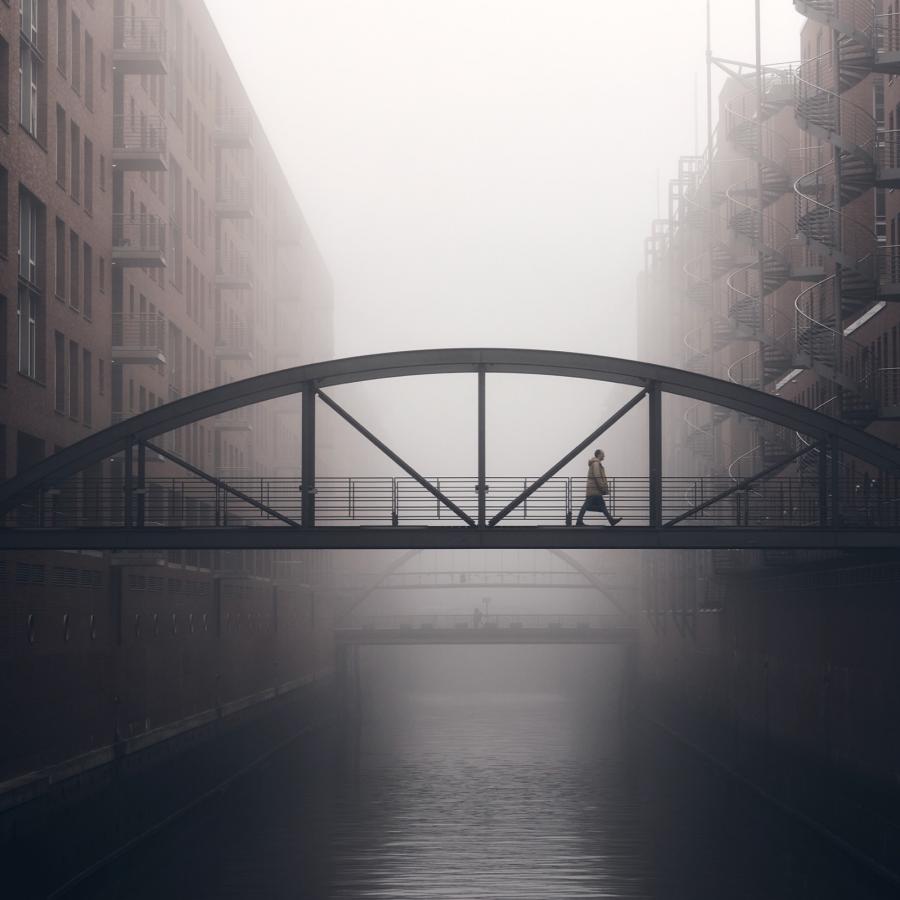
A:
[869, 40]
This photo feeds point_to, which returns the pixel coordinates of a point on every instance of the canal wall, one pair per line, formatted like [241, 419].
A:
[129, 693]
[784, 669]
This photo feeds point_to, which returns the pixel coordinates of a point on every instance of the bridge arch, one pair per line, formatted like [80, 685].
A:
[830, 436]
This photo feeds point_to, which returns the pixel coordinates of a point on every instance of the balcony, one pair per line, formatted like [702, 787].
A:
[234, 130]
[139, 45]
[139, 146]
[139, 242]
[888, 261]
[138, 340]
[233, 342]
[235, 273]
[234, 199]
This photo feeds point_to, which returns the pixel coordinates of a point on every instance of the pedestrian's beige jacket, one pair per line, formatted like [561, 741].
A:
[596, 479]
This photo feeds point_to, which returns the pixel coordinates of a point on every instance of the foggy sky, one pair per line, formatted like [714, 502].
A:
[483, 173]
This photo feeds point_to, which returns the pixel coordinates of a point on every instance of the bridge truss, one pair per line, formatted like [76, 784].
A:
[102, 493]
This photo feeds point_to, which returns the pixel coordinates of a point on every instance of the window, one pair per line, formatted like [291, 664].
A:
[59, 372]
[76, 54]
[86, 387]
[61, 36]
[3, 374]
[4, 212]
[74, 271]
[4, 84]
[27, 323]
[31, 214]
[102, 172]
[74, 380]
[103, 71]
[88, 175]
[60, 279]
[102, 275]
[29, 94]
[88, 273]
[60, 146]
[101, 377]
[75, 187]
[29, 20]
[88, 71]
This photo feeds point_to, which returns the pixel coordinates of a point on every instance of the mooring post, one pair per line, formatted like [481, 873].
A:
[835, 484]
[141, 483]
[308, 457]
[823, 483]
[482, 451]
[654, 395]
[128, 487]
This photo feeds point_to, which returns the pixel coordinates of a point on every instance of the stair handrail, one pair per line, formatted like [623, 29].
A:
[807, 322]
[695, 349]
[845, 230]
[773, 147]
[858, 125]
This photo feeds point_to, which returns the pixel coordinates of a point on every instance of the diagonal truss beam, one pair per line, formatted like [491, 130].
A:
[569, 457]
[443, 498]
[743, 485]
[246, 498]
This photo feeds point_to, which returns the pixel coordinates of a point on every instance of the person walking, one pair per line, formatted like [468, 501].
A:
[594, 489]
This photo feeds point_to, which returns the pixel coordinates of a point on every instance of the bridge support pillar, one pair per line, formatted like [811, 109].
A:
[654, 395]
[308, 457]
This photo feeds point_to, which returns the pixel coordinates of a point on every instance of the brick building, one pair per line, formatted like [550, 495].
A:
[150, 248]
[778, 267]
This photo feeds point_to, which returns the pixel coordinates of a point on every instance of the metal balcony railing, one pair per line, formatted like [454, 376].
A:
[137, 34]
[886, 33]
[146, 135]
[144, 234]
[234, 191]
[139, 332]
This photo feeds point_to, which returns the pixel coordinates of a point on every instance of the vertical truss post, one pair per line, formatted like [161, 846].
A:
[654, 395]
[141, 483]
[308, 457]
[835, 484]
[128, 486]
[482, 450]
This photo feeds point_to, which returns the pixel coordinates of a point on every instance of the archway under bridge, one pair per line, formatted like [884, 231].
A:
[130, 511]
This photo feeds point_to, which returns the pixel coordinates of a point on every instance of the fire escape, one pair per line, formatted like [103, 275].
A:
[852, 155]
[139, 235]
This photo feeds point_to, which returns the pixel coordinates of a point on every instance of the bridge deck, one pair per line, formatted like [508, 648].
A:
[718, 537]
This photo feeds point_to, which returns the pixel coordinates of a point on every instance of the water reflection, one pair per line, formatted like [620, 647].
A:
[473, 773]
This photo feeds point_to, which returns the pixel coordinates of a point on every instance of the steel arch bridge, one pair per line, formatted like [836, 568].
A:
[129, 509]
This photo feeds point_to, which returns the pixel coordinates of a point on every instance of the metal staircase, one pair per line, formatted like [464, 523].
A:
[869, 40]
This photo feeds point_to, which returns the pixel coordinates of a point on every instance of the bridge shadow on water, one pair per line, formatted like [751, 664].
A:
[473, 772]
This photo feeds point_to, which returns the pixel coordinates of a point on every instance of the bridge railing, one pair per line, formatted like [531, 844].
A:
[506, 621]
[100, 498]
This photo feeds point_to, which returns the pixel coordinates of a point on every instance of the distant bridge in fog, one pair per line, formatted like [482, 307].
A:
[125, 488]
[509, 628]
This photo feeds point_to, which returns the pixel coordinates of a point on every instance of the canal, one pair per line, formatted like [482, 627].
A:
[472, 772]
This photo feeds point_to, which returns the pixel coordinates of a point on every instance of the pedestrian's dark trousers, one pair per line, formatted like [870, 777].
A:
[594, 503]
